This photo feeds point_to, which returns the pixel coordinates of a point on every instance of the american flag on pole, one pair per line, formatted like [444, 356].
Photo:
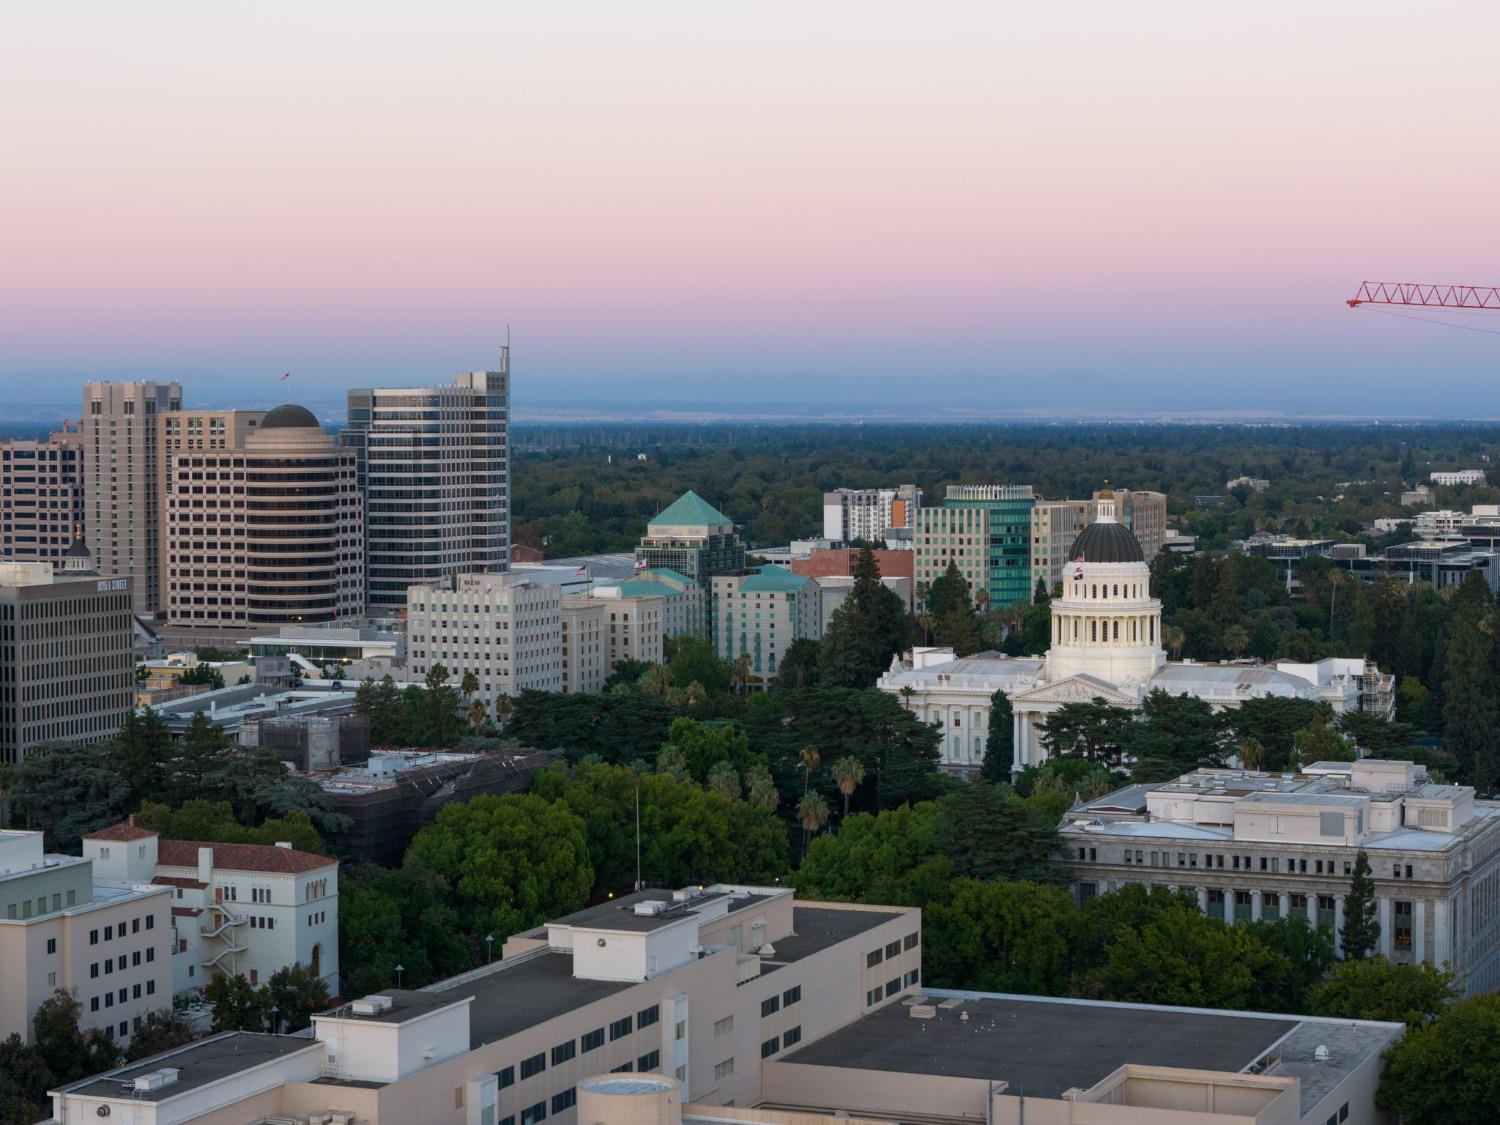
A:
[1078, 567]
[287, 376]
[581, 572]
[640, 564]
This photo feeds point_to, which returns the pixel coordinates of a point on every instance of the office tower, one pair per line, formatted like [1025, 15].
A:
[866, 513]
[693, 538]
[121, 489]
[1054, 526]
[67, 665]
[1145, 513]
[759, 613]
[1009, 549]
[504, 629]
[264, 535]
[434, 469]
[41, 495]
[187, 431]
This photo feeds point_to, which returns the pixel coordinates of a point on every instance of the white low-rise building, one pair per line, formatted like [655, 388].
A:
[246, 909]
[1106, 644]
[1461, 476]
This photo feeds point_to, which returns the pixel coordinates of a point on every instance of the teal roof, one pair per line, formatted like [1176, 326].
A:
[773, 579]
[690, 510]
[645, 588]
[666, 574]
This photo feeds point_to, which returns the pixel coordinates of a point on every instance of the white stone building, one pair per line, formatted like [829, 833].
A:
[1256, 846]
[1106, 644]
[236, 908]
[503, 628]
[585, 644]
[1462, 476]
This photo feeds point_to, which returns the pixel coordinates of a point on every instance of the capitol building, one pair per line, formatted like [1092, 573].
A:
[1106, 644]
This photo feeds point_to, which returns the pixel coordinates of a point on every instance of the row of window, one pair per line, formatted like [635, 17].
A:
[773, 1003]
[892, 986]
[1271, 864]
[110, 931]
[910, 941]
[123, 995]
[789, 1038]
[591, 1040]
[110, 964]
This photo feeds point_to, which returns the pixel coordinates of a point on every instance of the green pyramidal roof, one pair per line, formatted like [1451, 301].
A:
[690, 510]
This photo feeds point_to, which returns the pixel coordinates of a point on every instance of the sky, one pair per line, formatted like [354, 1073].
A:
[1144, 206]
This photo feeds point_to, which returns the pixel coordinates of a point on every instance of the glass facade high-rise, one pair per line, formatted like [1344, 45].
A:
[1009, 508]
[434, 467]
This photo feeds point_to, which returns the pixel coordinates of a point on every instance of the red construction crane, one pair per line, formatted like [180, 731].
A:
[1427, 296]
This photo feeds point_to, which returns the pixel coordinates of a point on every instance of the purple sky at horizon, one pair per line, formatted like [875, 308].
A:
[1158, 204]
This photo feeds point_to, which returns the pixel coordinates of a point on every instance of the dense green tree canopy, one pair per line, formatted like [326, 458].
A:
[1449, 1071]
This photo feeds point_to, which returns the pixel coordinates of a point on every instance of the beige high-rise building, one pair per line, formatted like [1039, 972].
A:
[1054, 526]
[636, 629]
[585, 644]
[192, 430]
[1145, 513]
[121, 482]
[266, 534]
[67, 665]
[41, 495]
[951, 535]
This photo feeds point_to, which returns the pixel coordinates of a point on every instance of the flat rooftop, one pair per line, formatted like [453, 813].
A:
[619, 913]
[510, 996]
[1043, 1046]
[197, 1064]
[815, 928]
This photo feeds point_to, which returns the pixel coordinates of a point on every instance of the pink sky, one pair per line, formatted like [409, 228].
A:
[1144, 197]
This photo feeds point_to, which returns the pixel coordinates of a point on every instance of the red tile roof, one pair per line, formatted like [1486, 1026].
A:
[178, 881]
[121, 831]
[241, 857]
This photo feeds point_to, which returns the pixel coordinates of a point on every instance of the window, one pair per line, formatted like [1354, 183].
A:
[150, 921]
[651, 1060]
[151, 984]
[723, 1069]
[723, 1027]
[532, 1114]
[51, 945]
[1270, 906]
[619, 1029]
[893, 986]
[1299, 902]
[770, 1047]
[911, 940]
[593, 1040]
[94, 970]
[623, 1068]
[506, 1077]
[680, 1031]
[1403, 913]
[791, 996]
[770, 1006]
[1325, 910]
[792, 1036]
[93, 937]
[873, 958]
[563, 1052]
[893, 949]
[565, 1100]
[873, 996]
[647, 1016]
[94, 1004]
[911, 978]
[109, 933]
[534, 1065]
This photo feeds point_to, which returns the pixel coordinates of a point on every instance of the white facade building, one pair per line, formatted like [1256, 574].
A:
[249, 909]
[1461, 476]
[1256, 846]
[501, 627]
[867, 513]
[1106, 644]
[637, 629]
[585, 644]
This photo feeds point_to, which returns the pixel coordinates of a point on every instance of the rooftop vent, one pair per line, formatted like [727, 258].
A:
[371, 1005]
[651, 907]
[156, 1079]
[1321, 1052]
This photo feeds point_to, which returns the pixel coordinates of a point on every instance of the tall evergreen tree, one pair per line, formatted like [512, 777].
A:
[999, 752]
[1361, 933]
[1470, 712]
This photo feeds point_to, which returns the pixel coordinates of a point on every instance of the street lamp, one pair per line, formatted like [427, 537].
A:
[489, 948]
[399, 970]
[275, 1023]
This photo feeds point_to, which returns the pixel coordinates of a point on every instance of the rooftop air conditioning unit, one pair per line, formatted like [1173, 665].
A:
[156, 1079]
[923, 1011]
[371, 1005]
[687, 894]
[650, 908]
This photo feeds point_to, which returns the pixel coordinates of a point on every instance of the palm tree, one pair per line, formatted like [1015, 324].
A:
[477, 713]
[671, 760]
[504, 706]
[847, 774]
[1252, 754]
[927, 621]
[906, 692]
[1335, 580]
[810, 758]
[724, 778]
[739, 673]
[656, 680]
[812, 811]
[1175, 638]
[761, 789]
[1236, 639]
[469, 685]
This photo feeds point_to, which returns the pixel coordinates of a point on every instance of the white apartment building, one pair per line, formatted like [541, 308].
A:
[585, 644]
[1257, 845]
[867, 513]
[1461, 476]
[246, 909]
[503, 628]
[67, 923]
